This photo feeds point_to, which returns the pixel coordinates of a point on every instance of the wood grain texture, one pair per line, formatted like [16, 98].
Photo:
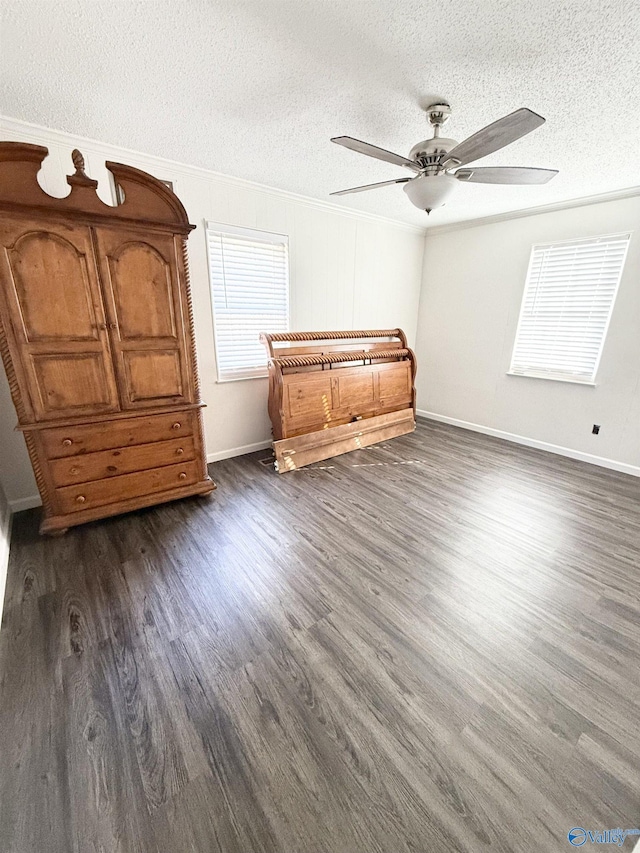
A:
[428, 645]
[316, 392]
[123, 460]
[94, 326]
[292, 453]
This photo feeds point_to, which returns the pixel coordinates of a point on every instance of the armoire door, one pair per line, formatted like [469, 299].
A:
[145, 313]
[56, 317]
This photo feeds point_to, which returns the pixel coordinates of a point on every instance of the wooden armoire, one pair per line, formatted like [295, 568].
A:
[96, 334]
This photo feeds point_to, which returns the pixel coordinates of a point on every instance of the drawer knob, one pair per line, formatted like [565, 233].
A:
[179, 451]
[67, 442]
[74, 471]
[177, 425]
[182, 476]
[80, 499]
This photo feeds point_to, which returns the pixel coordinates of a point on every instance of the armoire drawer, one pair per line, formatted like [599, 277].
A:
[122, 460]
[87, 438]
[100, 492]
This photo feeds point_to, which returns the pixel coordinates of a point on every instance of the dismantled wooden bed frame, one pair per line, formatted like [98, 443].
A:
[327, 398]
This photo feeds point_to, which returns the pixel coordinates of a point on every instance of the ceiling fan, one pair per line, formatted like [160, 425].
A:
[437, 161]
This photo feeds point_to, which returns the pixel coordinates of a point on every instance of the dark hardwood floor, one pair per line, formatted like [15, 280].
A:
[430, 645]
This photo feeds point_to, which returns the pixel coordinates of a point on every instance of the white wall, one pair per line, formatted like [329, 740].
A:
[348, 270]
[472, 289]
[5, 535]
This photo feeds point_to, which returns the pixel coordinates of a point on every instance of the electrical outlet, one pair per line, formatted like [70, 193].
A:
[596, 429]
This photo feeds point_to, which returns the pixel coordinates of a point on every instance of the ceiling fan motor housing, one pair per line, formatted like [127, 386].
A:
[429, 152]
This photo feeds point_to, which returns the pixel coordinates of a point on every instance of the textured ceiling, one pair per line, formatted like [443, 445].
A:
[255, 89]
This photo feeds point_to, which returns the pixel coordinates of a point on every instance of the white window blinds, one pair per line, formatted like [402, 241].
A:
[567, 304]
[249, 273]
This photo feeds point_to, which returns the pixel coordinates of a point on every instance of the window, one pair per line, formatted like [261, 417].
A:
[249, 272]
[567, 304]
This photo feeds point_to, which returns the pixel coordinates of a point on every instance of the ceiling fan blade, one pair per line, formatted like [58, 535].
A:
[494, 136]
[505, 175]
[374, 151]
[372, 186]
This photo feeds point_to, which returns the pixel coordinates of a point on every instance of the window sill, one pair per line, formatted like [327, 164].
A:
[586, 382]
[227, 379]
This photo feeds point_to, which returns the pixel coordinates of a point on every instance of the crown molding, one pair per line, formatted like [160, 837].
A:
[583, 201]
[39, 134]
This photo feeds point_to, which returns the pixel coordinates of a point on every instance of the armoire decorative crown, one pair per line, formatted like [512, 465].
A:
[96, 336]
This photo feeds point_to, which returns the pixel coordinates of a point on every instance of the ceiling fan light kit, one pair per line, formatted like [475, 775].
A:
[436, 161]
[428, 192]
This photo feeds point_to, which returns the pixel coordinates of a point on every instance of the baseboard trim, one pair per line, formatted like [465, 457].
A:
[25, 503]
[237, 451]
[5, 545]
[601, 461]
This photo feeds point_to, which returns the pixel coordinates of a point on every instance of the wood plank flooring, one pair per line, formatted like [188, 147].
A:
[429, 645]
